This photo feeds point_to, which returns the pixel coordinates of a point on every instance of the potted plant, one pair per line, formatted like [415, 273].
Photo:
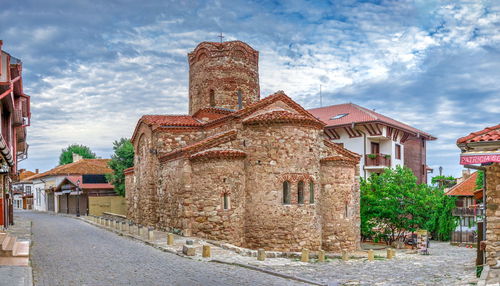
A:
[372, 156]
[387, 156]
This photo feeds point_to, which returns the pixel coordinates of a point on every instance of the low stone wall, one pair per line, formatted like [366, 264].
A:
[111, 204]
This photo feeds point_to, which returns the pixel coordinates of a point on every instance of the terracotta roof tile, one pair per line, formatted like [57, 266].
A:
[170, 120]
[74, 181]
[218, 153]
[282, 116]
[488, 134]
[25, 175]
[357, 114]
[465, 188]
[81, 167]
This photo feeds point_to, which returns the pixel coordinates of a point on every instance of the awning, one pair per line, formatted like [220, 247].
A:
[468, 158]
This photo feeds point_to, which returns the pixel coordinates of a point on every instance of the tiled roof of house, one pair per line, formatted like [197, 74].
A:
[218, 116]
[488, 134]
[282, 116]
[25, 175]
[170, 120]
[74, 180]
[465, 188]
[349, 113]
[81, 167]
[216, 153]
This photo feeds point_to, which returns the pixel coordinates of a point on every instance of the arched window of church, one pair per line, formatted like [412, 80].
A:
[225, 201]
[286, 192]
[311, 192]
[300, 192]
[212, 98]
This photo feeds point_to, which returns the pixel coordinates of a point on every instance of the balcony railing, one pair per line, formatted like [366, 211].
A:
[382, 160]
[467, 211]
[18, 118]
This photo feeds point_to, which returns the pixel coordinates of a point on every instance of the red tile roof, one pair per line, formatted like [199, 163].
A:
[357, 114]
[187, 121]
[25, 175]
[465, 188]
[204, 144]
[170, 120]
[74, 180]
[223, 153]
[282, 116]
[81, 167]
[128, 171]
[488, 134]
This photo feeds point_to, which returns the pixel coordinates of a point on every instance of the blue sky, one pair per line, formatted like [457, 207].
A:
[93, 68]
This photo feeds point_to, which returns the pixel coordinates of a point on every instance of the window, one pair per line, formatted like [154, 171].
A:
[28, 190]
[240, 99]
[398, 151]
[311, 192]
[286, 193]
[300, 192]
[338, 116]
[212, 98]
[226, 201]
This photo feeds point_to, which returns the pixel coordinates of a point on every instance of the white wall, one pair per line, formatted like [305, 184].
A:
[38, 191]
[357, 144]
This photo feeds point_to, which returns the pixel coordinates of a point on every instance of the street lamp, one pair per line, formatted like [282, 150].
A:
[78, 198]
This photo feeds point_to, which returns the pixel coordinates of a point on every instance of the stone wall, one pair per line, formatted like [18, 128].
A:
[220, 70]
[274, 152]
[493, 214]
[339, 206]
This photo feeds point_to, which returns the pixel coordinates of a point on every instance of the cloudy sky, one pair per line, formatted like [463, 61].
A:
[93, 68]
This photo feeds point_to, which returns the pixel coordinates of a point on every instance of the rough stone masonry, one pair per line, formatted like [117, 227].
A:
[257, 173]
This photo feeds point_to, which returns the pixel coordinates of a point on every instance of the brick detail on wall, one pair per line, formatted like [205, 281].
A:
[415, 157]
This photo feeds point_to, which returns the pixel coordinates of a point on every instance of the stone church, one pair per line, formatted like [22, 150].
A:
[256, 173]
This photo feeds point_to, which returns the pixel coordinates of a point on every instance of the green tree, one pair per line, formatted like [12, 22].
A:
[479, 180]
[122, 159]
[66, 156]
[392, 203]
[444, 181]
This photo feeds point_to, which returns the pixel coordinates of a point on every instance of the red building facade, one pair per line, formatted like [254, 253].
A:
[14, 118]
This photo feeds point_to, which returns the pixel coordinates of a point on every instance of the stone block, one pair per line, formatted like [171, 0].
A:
[321, 256]
[345, 255]
[189, 250]
[305, 255]
[170, 239]
[371, 255]
[151, 234]
[261, 254]
[206, 251]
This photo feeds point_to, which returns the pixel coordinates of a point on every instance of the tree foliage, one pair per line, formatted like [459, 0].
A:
[66, 156]
[444, 181]
[122, 159]
[479, 180]
[392, 204]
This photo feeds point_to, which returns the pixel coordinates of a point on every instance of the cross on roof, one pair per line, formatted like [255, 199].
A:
[220, 36]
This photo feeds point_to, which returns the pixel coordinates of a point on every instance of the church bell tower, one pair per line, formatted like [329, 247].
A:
[223, 75]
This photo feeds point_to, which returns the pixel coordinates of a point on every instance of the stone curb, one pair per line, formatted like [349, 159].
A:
[270, 272]
[178, 253]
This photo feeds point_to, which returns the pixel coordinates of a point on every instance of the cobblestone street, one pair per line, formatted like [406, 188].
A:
[71, 252]
[446, 265]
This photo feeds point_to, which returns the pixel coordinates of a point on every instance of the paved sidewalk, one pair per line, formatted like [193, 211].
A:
[446, 264]
[17, 275]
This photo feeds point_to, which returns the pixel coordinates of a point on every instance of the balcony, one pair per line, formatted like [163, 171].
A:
[17, 119]
[374, 161]
[460, 211]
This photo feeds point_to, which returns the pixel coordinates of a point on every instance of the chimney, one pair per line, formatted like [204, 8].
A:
[76, 157]
[465, 174]
[36, 171]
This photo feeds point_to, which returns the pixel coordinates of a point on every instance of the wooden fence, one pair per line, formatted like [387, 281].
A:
[465, 236]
